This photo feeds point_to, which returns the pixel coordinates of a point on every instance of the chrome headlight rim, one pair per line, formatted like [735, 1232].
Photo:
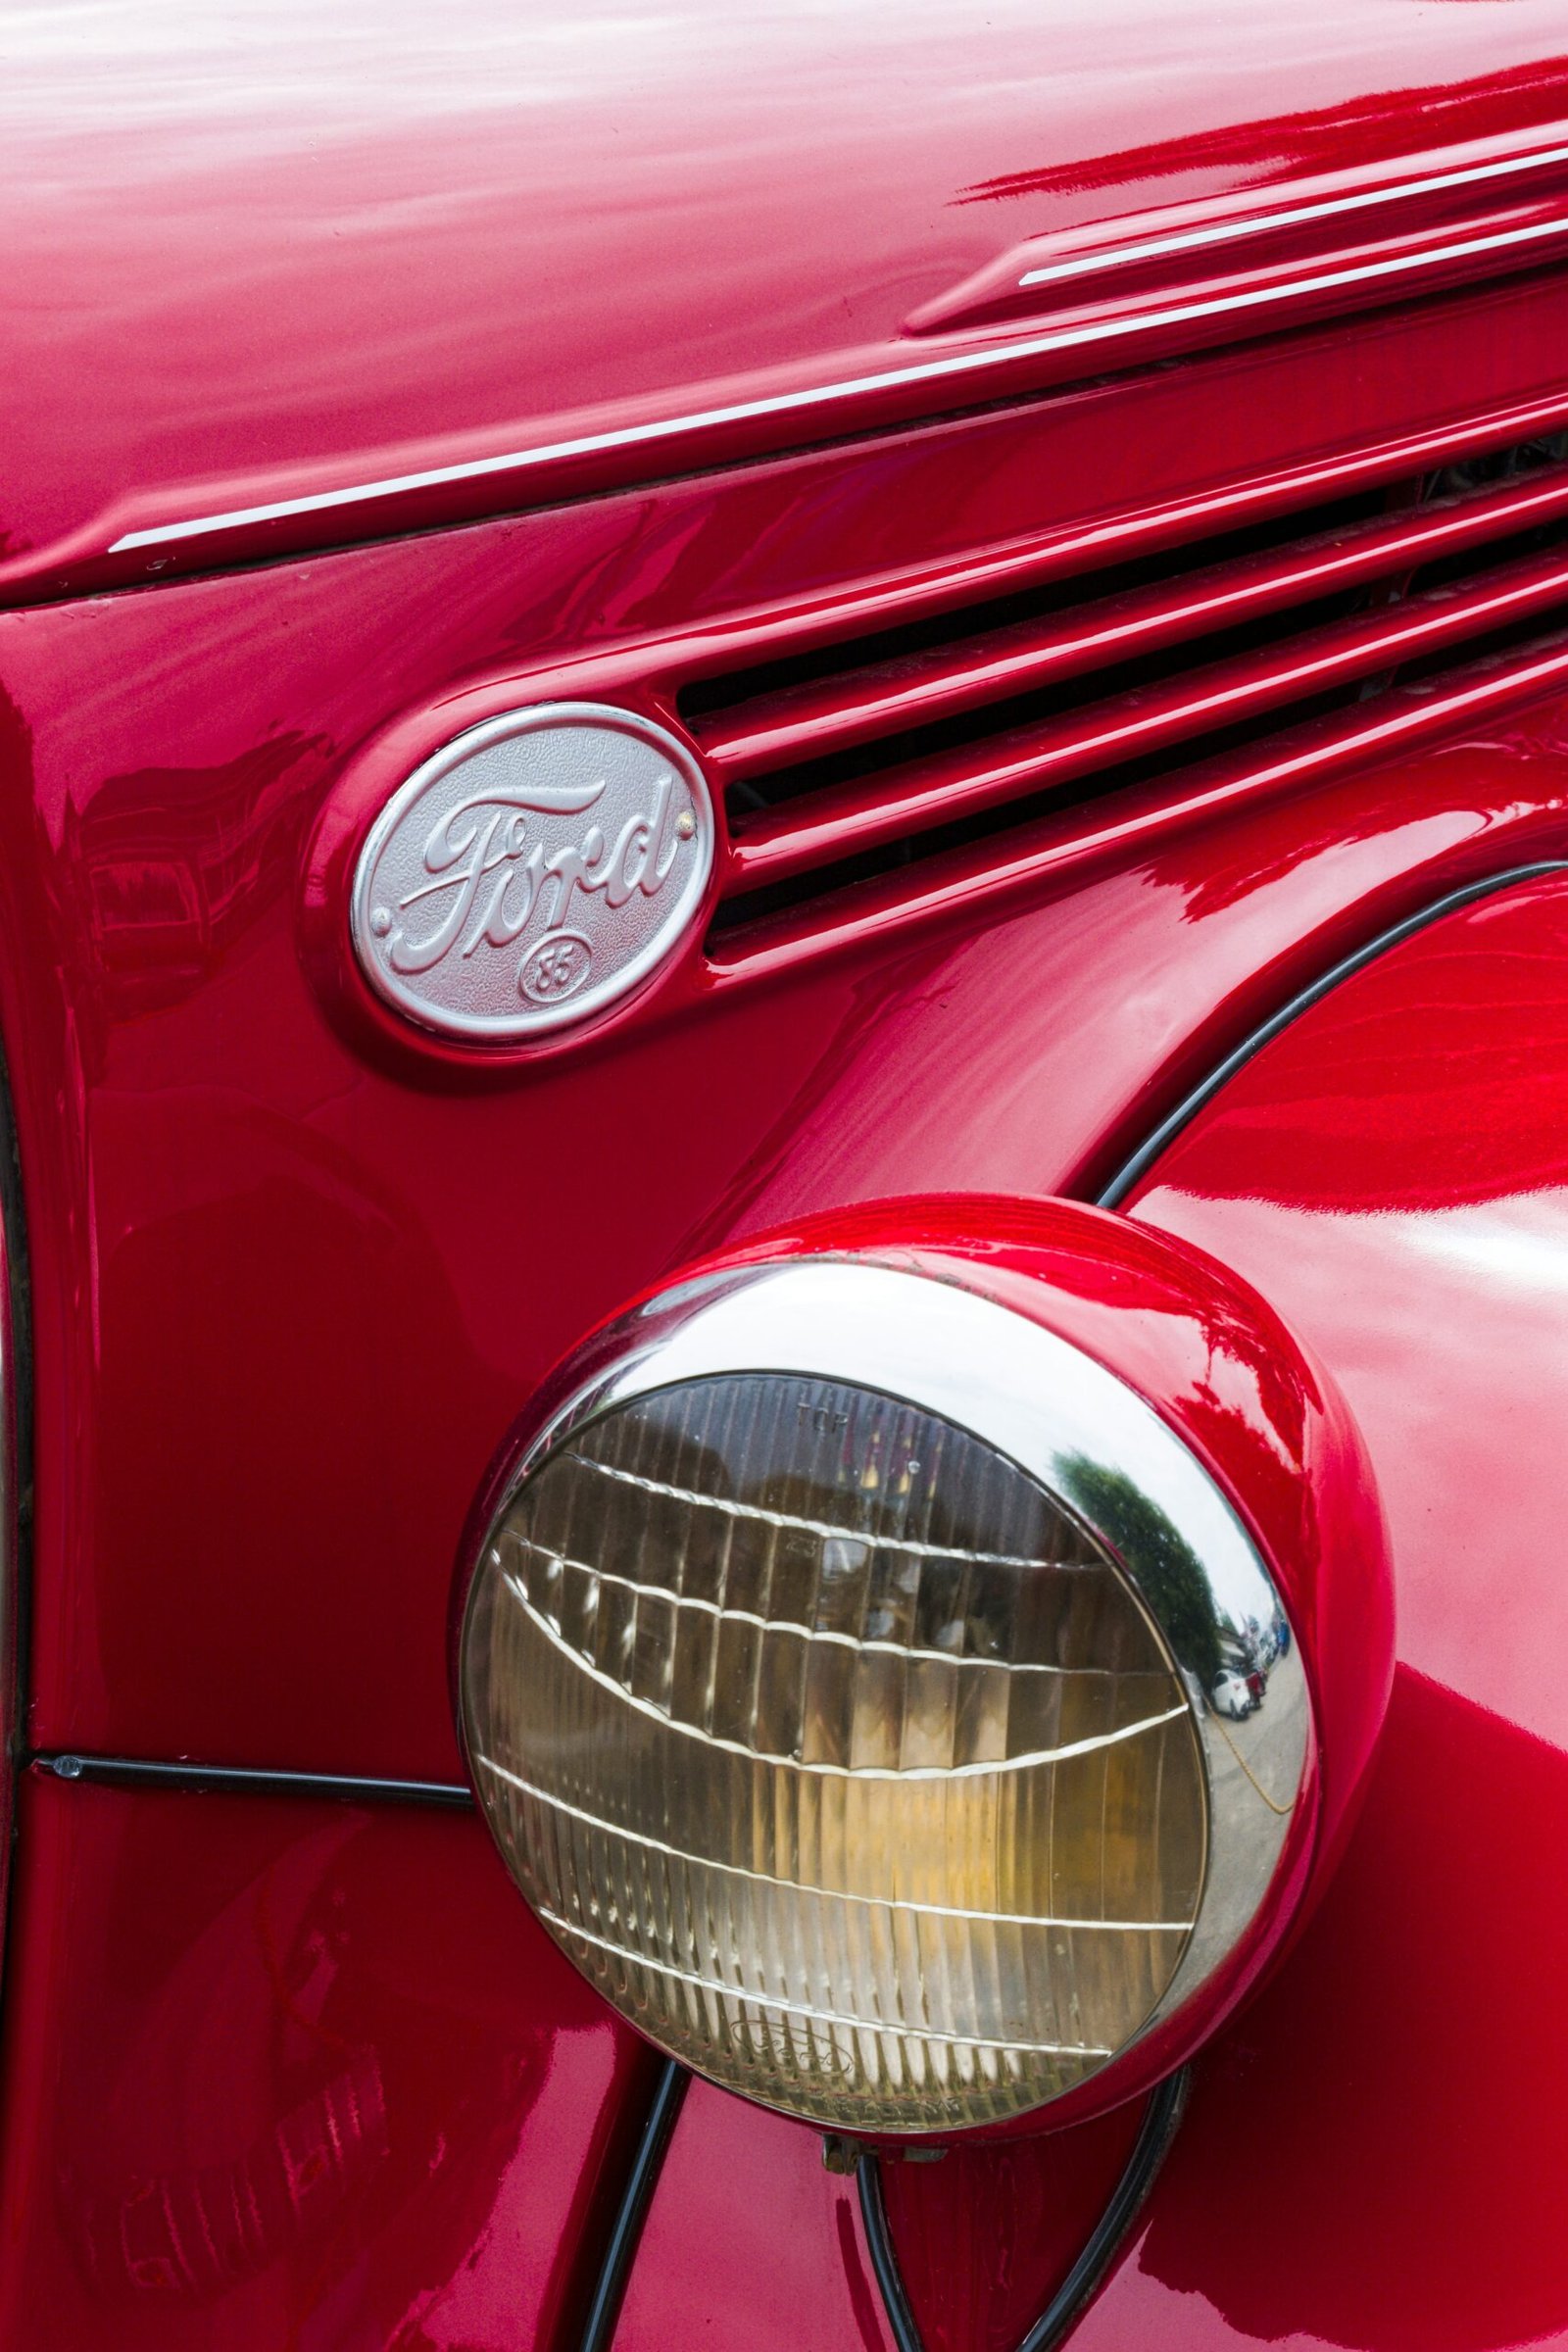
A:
[877, 1321]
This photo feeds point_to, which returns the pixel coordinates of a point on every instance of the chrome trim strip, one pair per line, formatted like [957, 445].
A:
[1218, 232]
[783, 403]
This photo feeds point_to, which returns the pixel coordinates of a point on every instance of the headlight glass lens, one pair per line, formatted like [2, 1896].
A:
[835, 1753]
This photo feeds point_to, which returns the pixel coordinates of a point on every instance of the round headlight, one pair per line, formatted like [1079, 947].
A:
[863, 1685]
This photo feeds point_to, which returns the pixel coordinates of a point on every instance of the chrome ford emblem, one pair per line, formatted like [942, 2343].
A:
[533, 871]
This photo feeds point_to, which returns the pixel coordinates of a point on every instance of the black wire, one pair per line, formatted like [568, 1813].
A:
[1161, 2119]
[884, 2262]
[1164, 2110]
[1155, 2132]
[611, 2284]
[241, 1779]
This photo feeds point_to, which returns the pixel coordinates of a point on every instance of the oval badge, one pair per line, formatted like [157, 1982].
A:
[533, 871]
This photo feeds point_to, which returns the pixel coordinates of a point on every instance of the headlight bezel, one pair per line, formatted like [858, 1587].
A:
[943, 1338]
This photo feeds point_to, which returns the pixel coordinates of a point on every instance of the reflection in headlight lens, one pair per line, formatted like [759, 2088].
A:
[835, 1753]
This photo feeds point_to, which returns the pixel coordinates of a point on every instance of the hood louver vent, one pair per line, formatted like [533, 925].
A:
[852, 761]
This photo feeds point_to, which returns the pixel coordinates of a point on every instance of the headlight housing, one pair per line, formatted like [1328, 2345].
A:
[850, 1678]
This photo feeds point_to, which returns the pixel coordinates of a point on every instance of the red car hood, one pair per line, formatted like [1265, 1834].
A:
[296, 243]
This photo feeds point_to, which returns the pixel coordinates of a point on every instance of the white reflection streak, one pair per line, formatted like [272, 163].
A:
[793, 1625]
[744, 1994]
[1225, 232]
[1124, 327]
[1532, 1252]
[732, 1509]
[833, 1771]
[835, 1894]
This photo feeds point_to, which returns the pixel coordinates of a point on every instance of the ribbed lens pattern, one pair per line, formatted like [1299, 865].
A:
[834, 1753]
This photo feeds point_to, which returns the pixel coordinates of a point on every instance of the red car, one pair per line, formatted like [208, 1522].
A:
[784, 877]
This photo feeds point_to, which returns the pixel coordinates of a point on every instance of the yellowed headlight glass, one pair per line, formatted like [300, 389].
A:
[834, 1753]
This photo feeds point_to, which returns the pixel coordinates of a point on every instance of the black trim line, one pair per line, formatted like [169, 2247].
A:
[1161, 2122]
[884, 2261]
[1163, 2113]
[1143, 1159]
[135, 1772]
[614, 2271]
[1161, 2119]
[15, 1496]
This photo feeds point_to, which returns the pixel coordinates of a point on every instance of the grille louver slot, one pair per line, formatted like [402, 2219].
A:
[860, 757]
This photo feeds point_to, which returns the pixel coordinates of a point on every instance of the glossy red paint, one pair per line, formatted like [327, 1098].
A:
[1384, 2117]
[806, 721]
[324, 2083]
[1391, 1171]
[282, 1311]
[315, 251]
[984, 2236]
[943, 788]
[1371, 2156]
[293, 1272]
[720, 2263]
[16, 1427]
[1402, 2153]
[282, 1314]
[1261, 241]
